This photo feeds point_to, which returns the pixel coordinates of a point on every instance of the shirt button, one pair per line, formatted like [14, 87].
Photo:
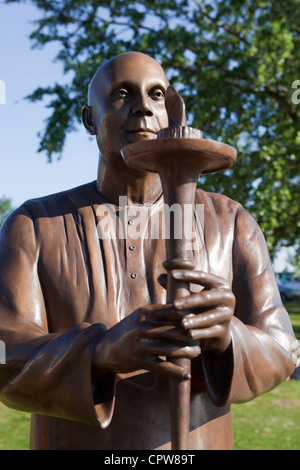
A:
[132, 247]
[133, 275]
[130, 222]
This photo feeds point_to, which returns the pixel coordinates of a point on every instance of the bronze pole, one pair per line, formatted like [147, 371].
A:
[179, 162]
[179, 190]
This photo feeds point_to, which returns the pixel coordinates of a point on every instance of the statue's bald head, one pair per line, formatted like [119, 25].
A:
[133, 61]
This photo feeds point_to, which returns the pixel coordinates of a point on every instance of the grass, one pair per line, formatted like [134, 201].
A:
[14, 429]
[270, 422]
[294, 313]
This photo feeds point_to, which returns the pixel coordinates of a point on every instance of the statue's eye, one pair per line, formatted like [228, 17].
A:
[157, 94]
[122, 93]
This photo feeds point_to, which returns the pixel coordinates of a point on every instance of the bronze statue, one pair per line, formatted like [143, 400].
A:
[91, 338]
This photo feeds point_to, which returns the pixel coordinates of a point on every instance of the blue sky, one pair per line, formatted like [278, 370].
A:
[24, 173]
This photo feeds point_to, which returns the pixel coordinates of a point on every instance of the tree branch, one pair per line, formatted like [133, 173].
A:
[292, 19]
[291, 110]
[222, 25]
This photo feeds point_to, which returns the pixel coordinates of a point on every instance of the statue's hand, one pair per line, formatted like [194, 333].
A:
[209, 311]
[144, 340]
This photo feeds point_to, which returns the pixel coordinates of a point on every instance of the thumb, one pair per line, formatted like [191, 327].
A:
[175, 107]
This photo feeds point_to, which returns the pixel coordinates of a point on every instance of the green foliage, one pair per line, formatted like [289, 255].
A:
[5, 209]
[234, 63]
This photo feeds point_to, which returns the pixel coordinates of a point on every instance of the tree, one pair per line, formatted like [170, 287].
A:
[235, 63]
[5, 209]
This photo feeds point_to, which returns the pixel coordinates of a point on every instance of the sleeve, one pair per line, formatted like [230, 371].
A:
[263, 352]
[44, 373]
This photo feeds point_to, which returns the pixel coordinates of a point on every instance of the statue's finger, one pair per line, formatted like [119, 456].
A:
[207, 280]
[166, 368]
[205, 299]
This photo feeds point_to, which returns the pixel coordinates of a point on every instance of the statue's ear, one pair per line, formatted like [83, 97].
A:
[175, 107]
[87, 119]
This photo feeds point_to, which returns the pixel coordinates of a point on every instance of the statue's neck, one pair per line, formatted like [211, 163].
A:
[139, 187]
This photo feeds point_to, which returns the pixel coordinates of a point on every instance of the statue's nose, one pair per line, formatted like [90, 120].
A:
[141, 106]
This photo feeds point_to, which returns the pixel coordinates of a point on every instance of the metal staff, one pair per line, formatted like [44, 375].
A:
[179, 155]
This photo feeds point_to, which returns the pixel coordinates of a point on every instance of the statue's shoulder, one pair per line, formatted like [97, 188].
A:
[62, 202]
[217, 203]
[39, 217]
[223, 211]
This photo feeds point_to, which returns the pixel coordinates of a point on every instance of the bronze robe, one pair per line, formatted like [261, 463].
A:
[63, 283]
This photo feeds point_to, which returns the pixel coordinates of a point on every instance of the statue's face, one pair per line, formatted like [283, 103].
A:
[128, 102]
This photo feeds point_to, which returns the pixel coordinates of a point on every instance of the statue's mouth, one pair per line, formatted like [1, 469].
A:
[142, 130]
[141, 133]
